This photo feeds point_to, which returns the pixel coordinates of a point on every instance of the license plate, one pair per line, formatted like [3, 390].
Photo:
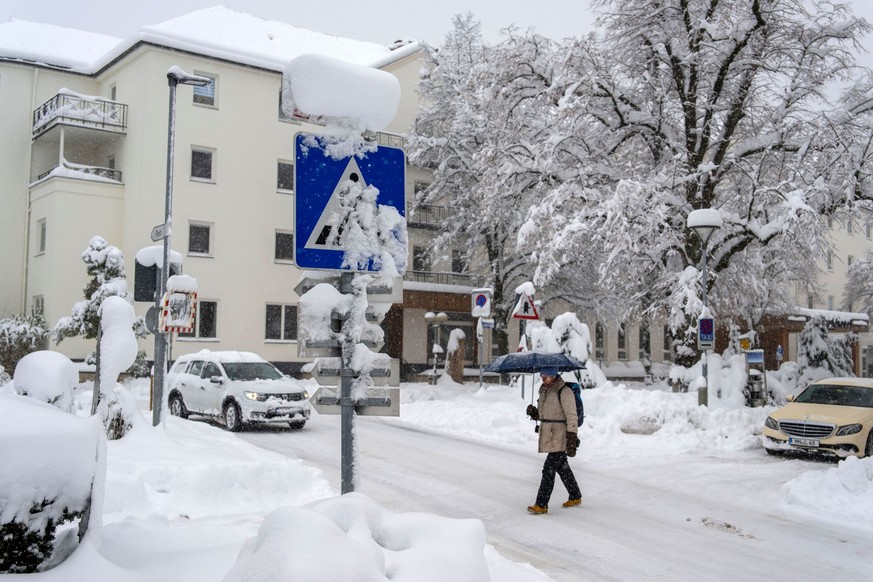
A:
[801, 442]
[281, 410]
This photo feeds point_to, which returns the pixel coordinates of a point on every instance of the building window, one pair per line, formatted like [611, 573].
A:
[38, 306]
[830, 302]
[205, 95]
[645, 343]
[850, 260]
[809, 301]
[830, 261]
[110, 162]
[668, 344]
[281, 322]
[419, 259]
[622, 343]
[418, 188]
[199, 239]
[598, 340]
[284, 246]
[113, 93]
[205, 321]
[285, 177]
[40, 236]
[459, 262]
[201, 164]
[850, 226]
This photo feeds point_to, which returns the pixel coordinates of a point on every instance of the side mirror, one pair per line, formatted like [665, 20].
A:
[217, 380]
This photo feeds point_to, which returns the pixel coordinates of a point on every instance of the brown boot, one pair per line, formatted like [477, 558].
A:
[573, 502]
[537, 509]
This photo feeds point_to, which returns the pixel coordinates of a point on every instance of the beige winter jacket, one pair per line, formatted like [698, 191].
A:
[553, 435]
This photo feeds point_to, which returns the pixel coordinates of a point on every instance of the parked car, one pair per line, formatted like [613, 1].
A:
[239, 387]
[832, 417]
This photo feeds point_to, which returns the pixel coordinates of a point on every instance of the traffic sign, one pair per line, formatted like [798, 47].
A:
[323, 209]
[382, 402]
[160, 232]
[329, 371]
[525, 308]
[481, 302]
[705, 333]
[377, 291]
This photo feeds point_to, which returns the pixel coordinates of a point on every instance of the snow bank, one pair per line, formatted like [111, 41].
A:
[367, 543]
[843, 493]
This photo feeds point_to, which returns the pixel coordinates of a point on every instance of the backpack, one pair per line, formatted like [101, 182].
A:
[580, 408]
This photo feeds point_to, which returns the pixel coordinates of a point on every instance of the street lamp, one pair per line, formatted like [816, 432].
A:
[436, 320]
[175, 76]
[704, 222]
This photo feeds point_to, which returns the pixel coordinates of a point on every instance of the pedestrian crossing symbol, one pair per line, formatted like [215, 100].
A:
[345, 207]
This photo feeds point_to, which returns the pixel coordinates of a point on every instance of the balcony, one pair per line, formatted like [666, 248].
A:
[456, 279]
[69, 108]
[82, 172]
[429, 216]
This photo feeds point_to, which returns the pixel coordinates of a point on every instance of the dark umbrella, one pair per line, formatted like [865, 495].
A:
[533, 362]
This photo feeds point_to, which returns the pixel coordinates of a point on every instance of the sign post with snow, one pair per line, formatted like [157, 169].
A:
[350, 208]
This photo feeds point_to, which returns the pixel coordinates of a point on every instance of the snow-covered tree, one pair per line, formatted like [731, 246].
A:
[819, 355]
[105, 265]
[859, 287]
[691, 104]
[20, 336]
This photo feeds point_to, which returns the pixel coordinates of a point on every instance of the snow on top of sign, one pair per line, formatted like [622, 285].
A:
[182, 283]
[704, 217]
[527, 288]
[324, 85]
[154, 255]
[217, 32]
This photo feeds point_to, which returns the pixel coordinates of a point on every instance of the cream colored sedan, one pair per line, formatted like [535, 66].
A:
[832, 417]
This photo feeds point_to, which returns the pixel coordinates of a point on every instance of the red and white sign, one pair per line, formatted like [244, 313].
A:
[525, 308]
[178, 309]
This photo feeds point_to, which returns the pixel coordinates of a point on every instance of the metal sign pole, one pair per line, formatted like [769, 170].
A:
[347, 415]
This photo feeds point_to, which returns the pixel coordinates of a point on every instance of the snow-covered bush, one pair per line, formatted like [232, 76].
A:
[19, 336]
[47, 376]
[49, 465]
[820, 355]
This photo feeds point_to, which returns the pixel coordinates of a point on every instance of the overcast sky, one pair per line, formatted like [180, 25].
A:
[380, 21]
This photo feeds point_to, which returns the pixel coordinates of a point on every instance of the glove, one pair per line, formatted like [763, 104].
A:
[533, 412]
[572, 443]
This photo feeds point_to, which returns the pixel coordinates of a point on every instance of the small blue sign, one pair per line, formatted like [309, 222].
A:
[705, 333]
[320, 208]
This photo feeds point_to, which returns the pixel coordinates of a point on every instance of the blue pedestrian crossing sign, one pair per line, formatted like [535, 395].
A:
[328, 201]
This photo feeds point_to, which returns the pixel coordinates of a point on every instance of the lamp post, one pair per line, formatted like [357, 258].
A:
[704, 222]
[175, 76]
[436, 320]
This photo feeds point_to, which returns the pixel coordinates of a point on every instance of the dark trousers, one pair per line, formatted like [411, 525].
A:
[557, 463]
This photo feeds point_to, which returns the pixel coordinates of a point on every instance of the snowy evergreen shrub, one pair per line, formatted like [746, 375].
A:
[20, 336]
[27, 546]
[820, 355]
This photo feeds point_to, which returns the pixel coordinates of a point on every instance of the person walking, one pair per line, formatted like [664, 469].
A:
[556, 412]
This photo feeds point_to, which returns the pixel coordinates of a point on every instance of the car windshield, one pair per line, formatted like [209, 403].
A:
[837, 394]
[251, 371]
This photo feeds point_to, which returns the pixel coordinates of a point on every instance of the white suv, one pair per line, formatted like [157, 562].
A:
[240, 387]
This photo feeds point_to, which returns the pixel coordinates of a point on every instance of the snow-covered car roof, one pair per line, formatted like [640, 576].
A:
[223, 356]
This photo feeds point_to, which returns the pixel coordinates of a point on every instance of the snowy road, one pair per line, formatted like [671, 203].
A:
[672, 518]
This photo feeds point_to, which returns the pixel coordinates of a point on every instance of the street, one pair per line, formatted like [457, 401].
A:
[673, 518]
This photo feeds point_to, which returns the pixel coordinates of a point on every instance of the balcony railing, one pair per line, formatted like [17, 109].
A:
[459, 279]
[429, 215]
[83, 172]
[80, 110]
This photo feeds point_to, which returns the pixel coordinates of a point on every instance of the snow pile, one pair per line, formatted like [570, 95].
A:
[843, 493]
[193, 470]
[366, 542]
[47, 376]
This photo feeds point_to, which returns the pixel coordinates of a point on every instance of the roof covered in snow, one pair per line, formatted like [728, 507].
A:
[217, 32]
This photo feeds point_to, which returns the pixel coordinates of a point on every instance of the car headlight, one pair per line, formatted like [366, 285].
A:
[306, 394]
[771, 424]
[849, 429]
[255, 396]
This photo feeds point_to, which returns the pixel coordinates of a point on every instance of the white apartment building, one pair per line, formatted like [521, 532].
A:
[84, 151]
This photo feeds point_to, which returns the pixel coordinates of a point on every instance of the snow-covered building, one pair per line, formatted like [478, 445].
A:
[84, 153]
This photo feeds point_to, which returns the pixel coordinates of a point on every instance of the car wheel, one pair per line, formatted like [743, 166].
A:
[177, 406]
[868, 450]
[297, 425]
[232, 417]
